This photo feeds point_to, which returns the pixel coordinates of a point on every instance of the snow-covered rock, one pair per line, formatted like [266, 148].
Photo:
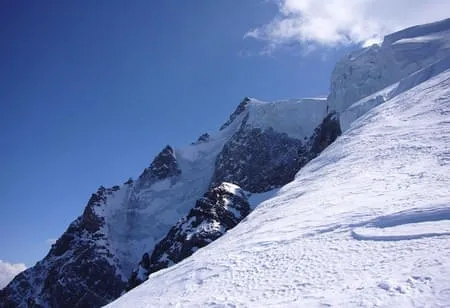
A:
[121, 224]
[261, 159]
[79, 270]
[164, 166]
[364, 224]
[220, 209]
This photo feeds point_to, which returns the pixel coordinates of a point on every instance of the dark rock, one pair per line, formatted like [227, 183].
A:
[325, 134]
[220, 209]
[203, 138]
[240, 109]
[259, 160]
[78, 271]
[163, 166]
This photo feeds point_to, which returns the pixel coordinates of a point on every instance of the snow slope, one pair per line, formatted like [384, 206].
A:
[138, 225]
[365, 224]
[120, 225]
[286, 117]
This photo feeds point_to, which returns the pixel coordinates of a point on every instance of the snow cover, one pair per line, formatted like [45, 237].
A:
[365, 224]
[296, 117]
[257, 198]
[371, 69]
[138, 218]
[349, 115]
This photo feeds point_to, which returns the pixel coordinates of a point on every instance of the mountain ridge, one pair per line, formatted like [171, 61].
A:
[262, 146]
[121, 224]
[364, 224]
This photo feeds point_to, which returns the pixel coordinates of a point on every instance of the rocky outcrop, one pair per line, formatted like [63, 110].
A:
[260, 160]
[239, 110]
[86, 268]
[325, 134]
[82, 269]
[163, 166]
[220, 209]
[202, 139]
[78, 271]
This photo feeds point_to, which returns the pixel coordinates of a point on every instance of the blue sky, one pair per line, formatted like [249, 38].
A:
[90, 91]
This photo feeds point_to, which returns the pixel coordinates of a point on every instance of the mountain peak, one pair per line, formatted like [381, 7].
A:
[163, 166]
[239, 109]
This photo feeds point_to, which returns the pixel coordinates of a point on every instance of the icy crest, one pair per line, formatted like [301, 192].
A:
[374, 68]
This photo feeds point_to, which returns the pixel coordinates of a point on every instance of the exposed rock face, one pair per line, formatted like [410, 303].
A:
[260, 160]
[163, 166]
[89, 265]
[78, 271]
[255, 159]
[203, 138]
[82, 268]
[325, 134]
[221, 208]
[240, 109]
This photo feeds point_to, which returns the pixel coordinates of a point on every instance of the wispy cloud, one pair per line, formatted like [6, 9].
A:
[343, 22]
[51, 241]
[8, 271]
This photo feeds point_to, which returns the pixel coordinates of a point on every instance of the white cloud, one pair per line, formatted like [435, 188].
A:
[342, 22]
[8, 271]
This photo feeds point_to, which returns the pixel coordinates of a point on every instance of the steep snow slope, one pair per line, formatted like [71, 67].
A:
[349, 115]
[364, 224]
[156, 209]
[91, 262]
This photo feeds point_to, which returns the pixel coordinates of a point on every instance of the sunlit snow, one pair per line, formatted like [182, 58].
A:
[365, 224]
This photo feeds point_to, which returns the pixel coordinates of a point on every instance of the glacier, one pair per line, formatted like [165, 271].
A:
[406, 57]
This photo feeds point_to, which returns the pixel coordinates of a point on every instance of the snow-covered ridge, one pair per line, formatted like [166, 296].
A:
[341, 194]
[123, 223]
[365, 224]
[358, 109]
[296, 118]
[144, 220]
[367, 71]
[419, 31]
